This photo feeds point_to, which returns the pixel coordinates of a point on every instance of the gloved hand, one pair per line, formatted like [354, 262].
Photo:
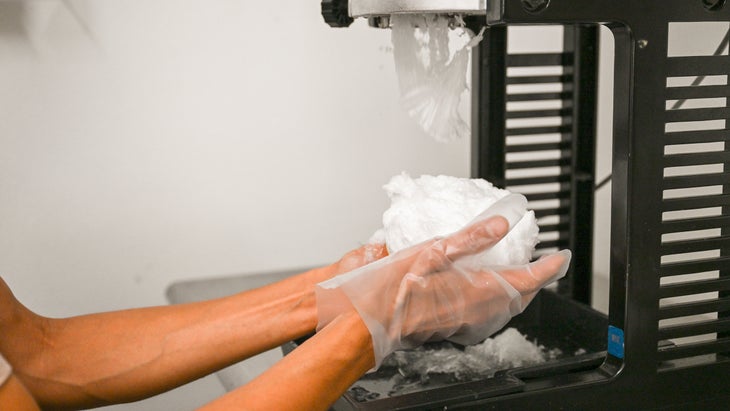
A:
[436, 290]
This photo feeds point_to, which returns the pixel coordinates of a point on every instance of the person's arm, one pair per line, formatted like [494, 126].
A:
[106, 358]
[312, 376]
[319, 371]
[13, 393]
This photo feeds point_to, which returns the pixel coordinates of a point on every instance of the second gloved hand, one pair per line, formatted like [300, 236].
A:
[433, 291]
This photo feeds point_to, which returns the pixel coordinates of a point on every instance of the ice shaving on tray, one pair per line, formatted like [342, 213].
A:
[508, 349]
[441, 364]
[431, 55]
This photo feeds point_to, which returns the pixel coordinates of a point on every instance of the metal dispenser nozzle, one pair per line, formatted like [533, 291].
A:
[340, 13]
[369, 8]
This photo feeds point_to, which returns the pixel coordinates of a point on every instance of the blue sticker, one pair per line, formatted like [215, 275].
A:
[615, 341]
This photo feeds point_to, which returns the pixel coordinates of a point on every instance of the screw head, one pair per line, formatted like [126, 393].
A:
[535, 6]
[713, 5]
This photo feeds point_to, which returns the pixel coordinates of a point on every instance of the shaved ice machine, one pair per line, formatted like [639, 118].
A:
[665, 341]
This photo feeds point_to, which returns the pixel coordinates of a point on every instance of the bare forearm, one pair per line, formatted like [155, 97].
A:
[313, 376]
[127, 355]
[15, 396]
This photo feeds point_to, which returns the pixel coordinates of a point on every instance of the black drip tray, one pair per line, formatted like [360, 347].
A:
[573, 336]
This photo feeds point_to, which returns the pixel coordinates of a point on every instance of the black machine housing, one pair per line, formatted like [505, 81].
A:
[666, 339]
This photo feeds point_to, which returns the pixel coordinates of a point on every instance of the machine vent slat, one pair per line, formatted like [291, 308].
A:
[539, 59]
[704, 136]
[689, 203]
[521, 97]
[566, 78]
[526, 148]
[562, 112]
[696, 266]
[562, 243]
[563, 195]
[694, 287]
[694, 308]
[693, 349]
[551, 211]
[695, 328]
[703, 223]
[546, 228]
[693, 159]
[520, 165]
[522, 131]
[701, 180]
[562, 178]
[698, 114]
[683, 93]
[692, 66]
[529, 139]
[691, 246]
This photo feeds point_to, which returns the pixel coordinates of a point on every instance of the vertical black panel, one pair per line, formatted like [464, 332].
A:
[582, 42]
[489, 104]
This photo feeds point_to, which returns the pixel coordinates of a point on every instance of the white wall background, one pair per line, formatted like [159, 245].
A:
[181, 139]
[145, 142]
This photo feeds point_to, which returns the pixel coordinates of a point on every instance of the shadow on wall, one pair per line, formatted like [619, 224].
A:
[12, 19]
[45, 25]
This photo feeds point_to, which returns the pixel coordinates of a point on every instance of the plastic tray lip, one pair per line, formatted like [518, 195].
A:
[575, 363]
[509, 381]
[439, 396]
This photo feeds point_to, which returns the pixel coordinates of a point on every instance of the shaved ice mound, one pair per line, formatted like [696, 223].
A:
[435, 206]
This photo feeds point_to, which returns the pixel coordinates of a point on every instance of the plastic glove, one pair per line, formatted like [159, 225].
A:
[359, 257]
[435, 290]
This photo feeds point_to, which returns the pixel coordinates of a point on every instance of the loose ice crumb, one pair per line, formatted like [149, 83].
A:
[442, 364]
[428, 207]
[509, 349]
